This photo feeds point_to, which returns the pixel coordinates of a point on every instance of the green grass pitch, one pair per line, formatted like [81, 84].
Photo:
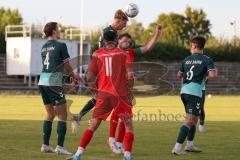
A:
[157, 120]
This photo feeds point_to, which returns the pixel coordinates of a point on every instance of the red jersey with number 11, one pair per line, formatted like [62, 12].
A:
[111, 69]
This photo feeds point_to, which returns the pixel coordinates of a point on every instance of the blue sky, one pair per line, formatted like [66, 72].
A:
[100, 12]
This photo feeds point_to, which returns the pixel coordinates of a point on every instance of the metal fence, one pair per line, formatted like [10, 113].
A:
[227, 82]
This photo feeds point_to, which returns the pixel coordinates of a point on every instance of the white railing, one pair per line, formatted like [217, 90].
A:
[37, 31]
[18, 31]
[74, 33]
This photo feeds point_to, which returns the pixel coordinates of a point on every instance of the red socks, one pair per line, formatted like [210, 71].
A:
[128, 141]
[86, 138]
[121, 132]
[113, 126]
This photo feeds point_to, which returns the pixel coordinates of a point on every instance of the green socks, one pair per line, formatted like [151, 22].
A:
[182, 134]
[47, 129]
[61, 131]
[191, 133]
[90, 104]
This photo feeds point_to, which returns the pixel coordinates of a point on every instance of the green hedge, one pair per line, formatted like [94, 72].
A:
[171, 52]
[224, 54]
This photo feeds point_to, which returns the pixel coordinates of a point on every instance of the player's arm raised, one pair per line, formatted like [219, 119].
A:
[152, 41]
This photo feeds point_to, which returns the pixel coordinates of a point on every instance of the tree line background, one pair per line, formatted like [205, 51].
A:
[175, 38]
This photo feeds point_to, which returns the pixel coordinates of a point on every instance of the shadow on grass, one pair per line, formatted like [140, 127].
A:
[153, 140]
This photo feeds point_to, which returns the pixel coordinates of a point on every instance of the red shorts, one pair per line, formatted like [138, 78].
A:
[120, 105]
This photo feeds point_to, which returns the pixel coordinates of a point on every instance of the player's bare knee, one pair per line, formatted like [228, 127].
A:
[129, 128]
[94, 124]
[128, 125]
[61, 112]
[50, 117]
[62, 117]
[190, 122]
[92, 127]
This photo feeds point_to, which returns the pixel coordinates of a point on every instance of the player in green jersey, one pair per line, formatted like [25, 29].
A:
[55, 59]
[193, 70]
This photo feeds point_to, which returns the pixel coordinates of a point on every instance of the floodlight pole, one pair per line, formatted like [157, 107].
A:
[80, 58]
[234, 24]
[81, 37]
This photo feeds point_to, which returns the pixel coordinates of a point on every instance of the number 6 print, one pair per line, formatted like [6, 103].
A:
[190, 74]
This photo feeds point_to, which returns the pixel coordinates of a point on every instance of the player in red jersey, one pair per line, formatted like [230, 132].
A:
[119, 22]
[109, 66]
[125, 42]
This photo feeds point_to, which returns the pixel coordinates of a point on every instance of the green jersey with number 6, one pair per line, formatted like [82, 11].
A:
[194, 68]
[53, 55]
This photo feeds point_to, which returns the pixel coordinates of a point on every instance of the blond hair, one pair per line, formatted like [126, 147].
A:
[119, 14]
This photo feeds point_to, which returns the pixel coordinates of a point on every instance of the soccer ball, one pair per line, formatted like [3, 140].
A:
[131, 10]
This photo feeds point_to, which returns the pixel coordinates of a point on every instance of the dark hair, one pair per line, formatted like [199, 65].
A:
[124, 35]
[199, 41]
[132, 43]
[119, 14]
[49, 28]
[109, 35]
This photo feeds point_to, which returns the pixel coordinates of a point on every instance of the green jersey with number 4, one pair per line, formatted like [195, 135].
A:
[53, 55]
[194, 69]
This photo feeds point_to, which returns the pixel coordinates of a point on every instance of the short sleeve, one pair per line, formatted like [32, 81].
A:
[64, 52]
[210, 65]
[181, 69]
[130, 56]
[138, 52]
[93, 65]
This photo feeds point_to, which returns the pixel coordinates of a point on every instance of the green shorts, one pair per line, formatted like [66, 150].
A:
[52, 95]
[192, 104]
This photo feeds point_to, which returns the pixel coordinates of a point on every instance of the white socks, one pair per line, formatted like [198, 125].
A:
[79, 151]
[111, 140]
[178, 146]
[189, 144]
[119, 145]
[127, 154]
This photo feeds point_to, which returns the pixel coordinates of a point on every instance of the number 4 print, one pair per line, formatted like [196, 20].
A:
[46, 61]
